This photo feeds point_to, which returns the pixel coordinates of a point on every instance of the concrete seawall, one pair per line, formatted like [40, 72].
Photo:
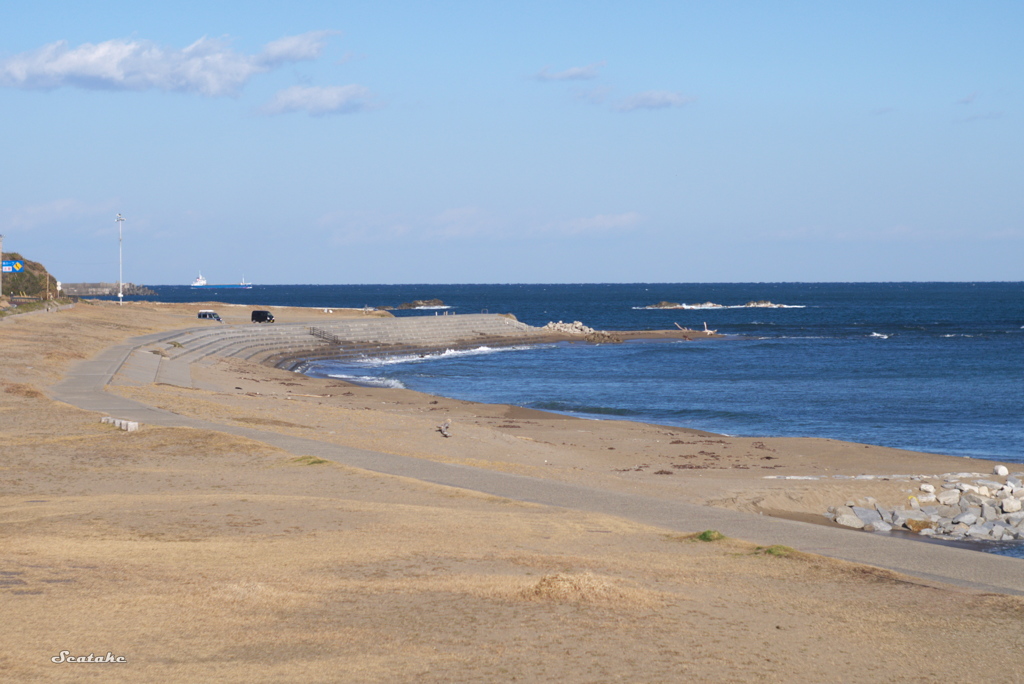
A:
[167, 357]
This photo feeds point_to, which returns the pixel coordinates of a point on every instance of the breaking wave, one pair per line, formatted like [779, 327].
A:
[570, 407]
[433, 356]
[711, 305]
[369, 380]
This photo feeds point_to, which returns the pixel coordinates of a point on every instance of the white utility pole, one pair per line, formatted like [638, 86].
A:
[1, 266]
[120, 274]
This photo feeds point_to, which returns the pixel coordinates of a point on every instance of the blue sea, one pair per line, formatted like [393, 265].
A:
[936, 367]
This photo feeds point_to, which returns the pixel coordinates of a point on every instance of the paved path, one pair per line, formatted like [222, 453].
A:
[84, 387]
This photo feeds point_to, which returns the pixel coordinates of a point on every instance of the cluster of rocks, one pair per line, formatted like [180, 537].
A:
[677, 305]
[421, 304]
[760, 304]
[764, 304]
[574, 328]
[983, 510]
[105, 289]
[577, 329]
[603, 337]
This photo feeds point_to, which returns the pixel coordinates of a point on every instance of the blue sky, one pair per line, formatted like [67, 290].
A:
[398, 142]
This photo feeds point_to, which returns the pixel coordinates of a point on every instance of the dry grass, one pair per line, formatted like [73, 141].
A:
[309, 460]
[20, 389]
[586, 587]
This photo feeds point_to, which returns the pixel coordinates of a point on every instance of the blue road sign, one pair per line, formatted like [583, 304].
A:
[13, 266]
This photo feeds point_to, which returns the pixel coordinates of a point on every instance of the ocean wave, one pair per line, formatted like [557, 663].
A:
[794, 337]
[711, 305]
[715, 414]
[433, 356]
[566, 407]
[369, 380]
[879, 336]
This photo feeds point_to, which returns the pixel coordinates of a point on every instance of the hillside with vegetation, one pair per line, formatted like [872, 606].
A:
[33, 281]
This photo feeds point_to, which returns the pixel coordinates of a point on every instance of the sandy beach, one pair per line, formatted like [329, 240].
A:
[201, 555]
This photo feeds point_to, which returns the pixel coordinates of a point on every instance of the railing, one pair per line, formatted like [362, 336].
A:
[325, 336]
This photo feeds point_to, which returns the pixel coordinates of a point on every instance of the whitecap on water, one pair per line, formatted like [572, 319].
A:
[369, 381]
[712, 305]
[446, 354]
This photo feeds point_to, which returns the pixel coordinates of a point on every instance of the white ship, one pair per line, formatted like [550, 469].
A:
[200, 282]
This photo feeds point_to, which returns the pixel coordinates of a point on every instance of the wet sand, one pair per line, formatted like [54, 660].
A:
[200, 555]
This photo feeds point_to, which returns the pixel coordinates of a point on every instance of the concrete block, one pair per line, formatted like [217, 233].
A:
[128, 425]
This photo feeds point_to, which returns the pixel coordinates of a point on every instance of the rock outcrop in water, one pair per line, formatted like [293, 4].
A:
[106, 289]
[760, 304]
[421, 304]
[763, 304]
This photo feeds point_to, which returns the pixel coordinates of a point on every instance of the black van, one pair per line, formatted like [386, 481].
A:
[260, 316]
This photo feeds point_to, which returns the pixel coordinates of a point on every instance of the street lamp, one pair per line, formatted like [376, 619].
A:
[120, 276]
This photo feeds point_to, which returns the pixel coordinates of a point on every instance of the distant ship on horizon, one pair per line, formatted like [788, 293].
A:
[200, 283]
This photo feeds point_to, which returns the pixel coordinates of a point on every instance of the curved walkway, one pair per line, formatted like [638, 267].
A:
[84, 387]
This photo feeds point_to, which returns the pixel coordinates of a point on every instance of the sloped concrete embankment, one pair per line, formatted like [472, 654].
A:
[167, 357]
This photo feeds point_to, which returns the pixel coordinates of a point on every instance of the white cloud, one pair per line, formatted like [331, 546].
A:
[318, 101]
[207, 66]
[298, 48]
[594, 96]
[346, 227]
[58, 213]
[653, 99]
[459, 222]
[363, 227]
[462, 223]
[979, 117]
[894, 233]
[591, 225]
[583, 73]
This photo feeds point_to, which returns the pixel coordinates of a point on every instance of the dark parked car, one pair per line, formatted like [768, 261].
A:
[260, 316]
